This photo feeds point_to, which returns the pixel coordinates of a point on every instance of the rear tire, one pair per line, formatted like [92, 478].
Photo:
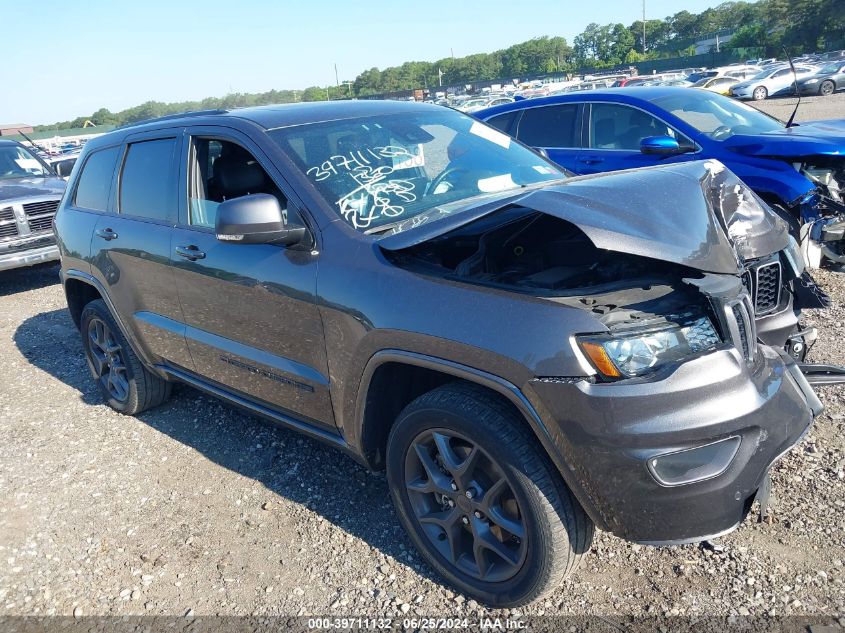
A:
[450, 502]
[827, 88]
[760, 93]
[124, 382]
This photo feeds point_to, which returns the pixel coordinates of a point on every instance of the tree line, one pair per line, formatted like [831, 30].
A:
[797, 25]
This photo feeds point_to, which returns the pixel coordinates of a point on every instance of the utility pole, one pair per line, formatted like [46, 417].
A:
[439, 78]
[643, 27]
[337, 81]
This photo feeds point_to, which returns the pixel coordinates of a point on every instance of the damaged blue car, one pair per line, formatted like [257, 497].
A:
[798, 169]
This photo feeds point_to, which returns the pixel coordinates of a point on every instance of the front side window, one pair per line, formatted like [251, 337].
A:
[614, 126]
[549, 126]
[92, 192]
[18, 162]
[380, 171]
[148, 183]
[222, 170]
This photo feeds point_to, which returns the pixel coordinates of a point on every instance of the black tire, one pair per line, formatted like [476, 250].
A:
[107, 349]
[557, 532]
[827, 88]
[760, 93]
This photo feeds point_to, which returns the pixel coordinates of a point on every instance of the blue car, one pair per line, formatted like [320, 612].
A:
[798, 170]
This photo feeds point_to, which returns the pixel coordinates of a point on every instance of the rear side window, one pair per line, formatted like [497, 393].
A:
[549, 126]
[92, 192]
[503, 122]
[148, 184]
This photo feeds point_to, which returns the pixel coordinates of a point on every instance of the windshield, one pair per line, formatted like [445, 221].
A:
[377, 171]
[717, 116]
[17, 162]
[829, 69]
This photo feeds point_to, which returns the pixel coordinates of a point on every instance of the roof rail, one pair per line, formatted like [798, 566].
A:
[176, 115]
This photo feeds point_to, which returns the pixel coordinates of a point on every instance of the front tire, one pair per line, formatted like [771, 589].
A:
[760, 93]
[827, 88]
[122, 379]
[480, 499]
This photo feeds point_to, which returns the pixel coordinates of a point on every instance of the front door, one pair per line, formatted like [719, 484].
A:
[614, 134]
[252, 323]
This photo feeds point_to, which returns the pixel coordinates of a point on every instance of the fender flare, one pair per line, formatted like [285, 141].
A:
[485, 379]
[89, 279]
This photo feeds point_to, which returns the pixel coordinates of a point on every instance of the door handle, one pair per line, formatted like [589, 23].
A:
[591, 161]
[106, 234]
[191, 252]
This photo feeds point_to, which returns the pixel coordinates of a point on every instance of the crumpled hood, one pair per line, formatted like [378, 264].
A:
[806, 139]
[697, 214]
[18, 188]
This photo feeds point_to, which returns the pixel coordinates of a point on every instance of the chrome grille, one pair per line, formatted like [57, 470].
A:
[9, 229]
[44, 223]
[38, 208]
[767, 288]
[39, 215]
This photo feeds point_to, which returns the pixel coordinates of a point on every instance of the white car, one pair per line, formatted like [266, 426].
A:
[770, 82]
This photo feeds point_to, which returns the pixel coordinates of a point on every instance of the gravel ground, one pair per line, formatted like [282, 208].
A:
[196, 508]
[811, 108]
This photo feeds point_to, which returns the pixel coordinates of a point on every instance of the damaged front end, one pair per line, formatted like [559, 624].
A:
[822, 211]
[610, 241]
[682, 407]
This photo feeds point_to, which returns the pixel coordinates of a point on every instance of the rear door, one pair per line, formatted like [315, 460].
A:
[613, 134]
[250, 310]
[554, 128]
[131, 246]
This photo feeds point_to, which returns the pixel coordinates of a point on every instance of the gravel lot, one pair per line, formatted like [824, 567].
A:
[811, 108]
[195, 508]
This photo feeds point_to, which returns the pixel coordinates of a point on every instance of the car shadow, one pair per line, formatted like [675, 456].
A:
[287, 463]
[30, 278]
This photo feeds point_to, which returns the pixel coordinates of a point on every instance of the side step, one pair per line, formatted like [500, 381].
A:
[821, 374]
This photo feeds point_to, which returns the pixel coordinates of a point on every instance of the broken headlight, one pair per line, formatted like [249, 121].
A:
[637, 353]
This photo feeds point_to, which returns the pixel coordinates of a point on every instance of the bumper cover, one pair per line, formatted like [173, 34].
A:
[607, 433]
[30, 257]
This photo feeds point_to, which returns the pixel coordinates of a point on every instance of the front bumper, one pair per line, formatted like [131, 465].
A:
[30, 257]
[607, 434]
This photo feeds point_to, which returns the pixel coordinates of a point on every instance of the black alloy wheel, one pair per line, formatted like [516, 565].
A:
[465, 505]
[123, 380]
[105, 359]
[479, 497]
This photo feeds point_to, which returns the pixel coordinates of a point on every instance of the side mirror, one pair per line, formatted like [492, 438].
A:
[542, 152]
[256, 219]
[662, 145]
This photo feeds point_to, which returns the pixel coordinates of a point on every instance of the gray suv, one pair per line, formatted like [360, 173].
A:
[527, 355]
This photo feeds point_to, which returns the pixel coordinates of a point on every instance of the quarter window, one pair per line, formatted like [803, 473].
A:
[549, 126]
[148, 185]
[92, 192]
[614, 126]
[503, 122]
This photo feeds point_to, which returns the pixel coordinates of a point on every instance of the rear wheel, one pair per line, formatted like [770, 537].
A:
[480, 499]
[125, 383]
[760, 93]
[827, 88]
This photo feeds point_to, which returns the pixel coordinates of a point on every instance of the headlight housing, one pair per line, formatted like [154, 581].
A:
[812, 81]
[644, 351]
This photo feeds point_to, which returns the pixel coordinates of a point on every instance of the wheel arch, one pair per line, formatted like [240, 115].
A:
[404, 376]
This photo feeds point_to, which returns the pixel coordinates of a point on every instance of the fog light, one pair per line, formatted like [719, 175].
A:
[694, 464]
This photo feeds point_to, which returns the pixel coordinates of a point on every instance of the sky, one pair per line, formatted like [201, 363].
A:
[63, 59]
